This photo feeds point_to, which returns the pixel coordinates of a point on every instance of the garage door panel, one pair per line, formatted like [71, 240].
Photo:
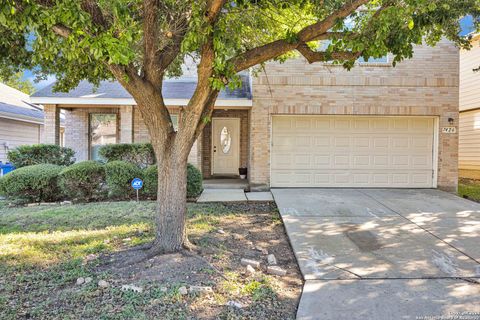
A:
[342, 178]
[352, 152]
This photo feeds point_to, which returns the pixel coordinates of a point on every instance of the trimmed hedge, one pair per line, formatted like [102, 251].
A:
[140, 154]
[83, 181]
[150, 181]
[119, 175]
[28, 155]
[33, 183]
[194, 181]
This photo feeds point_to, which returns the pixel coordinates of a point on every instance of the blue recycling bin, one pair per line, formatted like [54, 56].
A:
[6, 168]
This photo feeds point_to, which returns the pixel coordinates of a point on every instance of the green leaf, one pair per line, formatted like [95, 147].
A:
[411, 24]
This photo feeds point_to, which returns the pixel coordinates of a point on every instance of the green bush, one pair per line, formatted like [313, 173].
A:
[140, 154]
[194, 181]
[119, 175]
[83, 181]
[150, 181]
[28, 155]
[32, 183]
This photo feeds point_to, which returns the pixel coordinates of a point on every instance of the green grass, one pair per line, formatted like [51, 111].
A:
[43, 251]
[469, 189]
[43, 235]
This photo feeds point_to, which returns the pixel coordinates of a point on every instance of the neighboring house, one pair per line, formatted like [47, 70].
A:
[20, 121]
[300, 125]
[469, 136]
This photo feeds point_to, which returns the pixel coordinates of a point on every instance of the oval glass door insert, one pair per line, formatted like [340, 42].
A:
[225, 140]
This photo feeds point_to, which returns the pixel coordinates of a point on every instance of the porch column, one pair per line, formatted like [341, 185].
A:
[126, 124]
[51, 124]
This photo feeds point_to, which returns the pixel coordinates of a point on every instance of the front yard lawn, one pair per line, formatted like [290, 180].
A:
[45, 250]
[469, 188]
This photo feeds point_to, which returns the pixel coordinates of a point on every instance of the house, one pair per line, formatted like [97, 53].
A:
[299, 124]
[20, 121]
[469, 135]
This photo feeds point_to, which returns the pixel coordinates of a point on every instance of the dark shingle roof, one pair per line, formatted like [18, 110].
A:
[6, 108]
[172, 89]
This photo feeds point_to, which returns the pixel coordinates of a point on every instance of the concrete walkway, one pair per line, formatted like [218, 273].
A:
[233, 195]
[383, 253]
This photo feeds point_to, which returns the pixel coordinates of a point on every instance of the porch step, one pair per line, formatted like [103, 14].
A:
[225, 184]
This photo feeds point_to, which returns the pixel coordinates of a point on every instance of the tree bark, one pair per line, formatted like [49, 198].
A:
[170, 226]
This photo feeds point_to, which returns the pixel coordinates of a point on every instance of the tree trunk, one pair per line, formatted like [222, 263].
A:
[170, 231]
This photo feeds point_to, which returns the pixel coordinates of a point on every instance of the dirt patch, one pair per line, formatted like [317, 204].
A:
[253, 234]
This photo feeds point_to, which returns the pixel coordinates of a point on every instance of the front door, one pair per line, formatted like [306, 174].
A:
[226, 145]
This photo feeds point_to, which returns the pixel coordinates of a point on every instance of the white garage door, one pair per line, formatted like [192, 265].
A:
[352, 151]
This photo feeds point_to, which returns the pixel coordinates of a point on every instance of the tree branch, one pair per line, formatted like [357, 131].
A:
[214, 8]
[98, 18]
[151, 68]
[316, 56]
[316, 31]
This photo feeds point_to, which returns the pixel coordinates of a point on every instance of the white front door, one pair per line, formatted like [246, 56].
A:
[226, 145]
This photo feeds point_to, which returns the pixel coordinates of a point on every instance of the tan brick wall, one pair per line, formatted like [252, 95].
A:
[51, 133]
[243, 115]
[427, 84]
[126, 124]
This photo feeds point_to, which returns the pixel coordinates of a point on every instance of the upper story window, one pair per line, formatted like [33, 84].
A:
[324, 44]
[383, 59]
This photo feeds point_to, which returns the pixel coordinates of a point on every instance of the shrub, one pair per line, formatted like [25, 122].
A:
[140, 154]
[83, 181]
[194, 181]
[119, 175]
[28, 155]
[32, 183]
[150, 181]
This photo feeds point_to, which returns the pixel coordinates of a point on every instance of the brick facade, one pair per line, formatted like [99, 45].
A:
[427, 84]
[51, 133]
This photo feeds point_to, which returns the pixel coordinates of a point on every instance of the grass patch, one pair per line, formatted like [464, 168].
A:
[469, 188]
[45, 249]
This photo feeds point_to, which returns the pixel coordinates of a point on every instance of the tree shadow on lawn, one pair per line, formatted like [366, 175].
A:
[41, 264]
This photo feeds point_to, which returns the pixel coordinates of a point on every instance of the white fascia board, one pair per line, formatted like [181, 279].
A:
[130, 101]
[20, 118]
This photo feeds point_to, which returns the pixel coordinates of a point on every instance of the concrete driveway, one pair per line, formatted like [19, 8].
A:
[383, 253]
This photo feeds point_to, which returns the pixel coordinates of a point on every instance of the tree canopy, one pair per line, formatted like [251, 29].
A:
[78, 40]
[16, 81]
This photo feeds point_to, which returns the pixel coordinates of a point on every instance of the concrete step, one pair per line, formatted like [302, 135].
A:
[225, 184]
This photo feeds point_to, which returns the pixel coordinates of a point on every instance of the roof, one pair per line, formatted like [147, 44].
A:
[10, 111]
[13, 96]
[33, 114]
[175, 92]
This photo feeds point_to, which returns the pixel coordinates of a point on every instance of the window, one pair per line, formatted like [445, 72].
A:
[103, 131]
[383, 59]
[225, 140]
[174, 118]
[323, 46]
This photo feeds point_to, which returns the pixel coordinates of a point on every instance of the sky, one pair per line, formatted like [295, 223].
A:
[466, 24]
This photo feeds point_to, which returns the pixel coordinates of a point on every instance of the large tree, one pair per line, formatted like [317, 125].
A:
[141, 42]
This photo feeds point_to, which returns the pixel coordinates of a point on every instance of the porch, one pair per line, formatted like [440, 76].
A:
[219, 152]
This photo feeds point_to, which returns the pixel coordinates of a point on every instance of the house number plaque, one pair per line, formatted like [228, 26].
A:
[449, 130]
